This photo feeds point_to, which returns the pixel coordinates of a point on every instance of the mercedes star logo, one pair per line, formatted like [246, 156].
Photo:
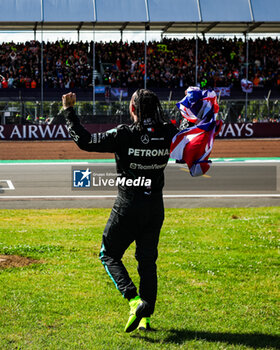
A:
[145, 139]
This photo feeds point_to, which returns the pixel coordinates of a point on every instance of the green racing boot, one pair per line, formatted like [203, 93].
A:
[137, 308]
[145, 324]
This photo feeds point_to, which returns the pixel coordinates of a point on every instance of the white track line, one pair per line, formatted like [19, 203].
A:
[10, 185]
[165, 196]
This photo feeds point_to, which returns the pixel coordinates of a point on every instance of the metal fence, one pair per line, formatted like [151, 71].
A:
[231, 111]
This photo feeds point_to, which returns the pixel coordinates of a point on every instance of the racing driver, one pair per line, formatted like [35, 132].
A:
[141, 150]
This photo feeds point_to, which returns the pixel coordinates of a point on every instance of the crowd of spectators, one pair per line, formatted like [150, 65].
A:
[65, 65]
[171, 63]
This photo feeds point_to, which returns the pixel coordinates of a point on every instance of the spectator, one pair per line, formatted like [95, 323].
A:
[33, 84]
[10, 82]
[4, 83]
[170, 63]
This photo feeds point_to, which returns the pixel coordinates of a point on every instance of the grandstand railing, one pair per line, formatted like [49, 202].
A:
[163, 93]
[117, 112]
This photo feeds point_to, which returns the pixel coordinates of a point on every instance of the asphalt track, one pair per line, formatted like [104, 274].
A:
[227, 184]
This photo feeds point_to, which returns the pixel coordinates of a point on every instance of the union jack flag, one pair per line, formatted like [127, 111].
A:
[194, 145]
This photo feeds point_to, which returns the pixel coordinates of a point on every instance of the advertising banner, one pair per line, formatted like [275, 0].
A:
[43, 132]
[59, 132]
[249, 130]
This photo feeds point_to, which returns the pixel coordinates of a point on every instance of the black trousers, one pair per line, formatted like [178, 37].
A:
[134, 217]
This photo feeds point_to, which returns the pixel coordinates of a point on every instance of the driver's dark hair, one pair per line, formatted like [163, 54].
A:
[147, 105]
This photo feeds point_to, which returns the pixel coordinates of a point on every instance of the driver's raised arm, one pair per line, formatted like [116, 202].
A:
[97, 142]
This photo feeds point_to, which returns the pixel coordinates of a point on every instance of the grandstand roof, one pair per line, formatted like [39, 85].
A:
[176, 16]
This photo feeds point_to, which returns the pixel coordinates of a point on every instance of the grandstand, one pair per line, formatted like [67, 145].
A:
[102, 73]
[170, 64]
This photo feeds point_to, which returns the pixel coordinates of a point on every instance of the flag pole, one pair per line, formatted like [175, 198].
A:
[42, 60]
[247, 74]
[145, 48]
[196, 54]
[93, 72]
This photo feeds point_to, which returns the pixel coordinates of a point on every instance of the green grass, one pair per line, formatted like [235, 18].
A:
[218, 282]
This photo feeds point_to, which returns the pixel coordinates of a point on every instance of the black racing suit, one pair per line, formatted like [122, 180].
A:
[138, 211]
